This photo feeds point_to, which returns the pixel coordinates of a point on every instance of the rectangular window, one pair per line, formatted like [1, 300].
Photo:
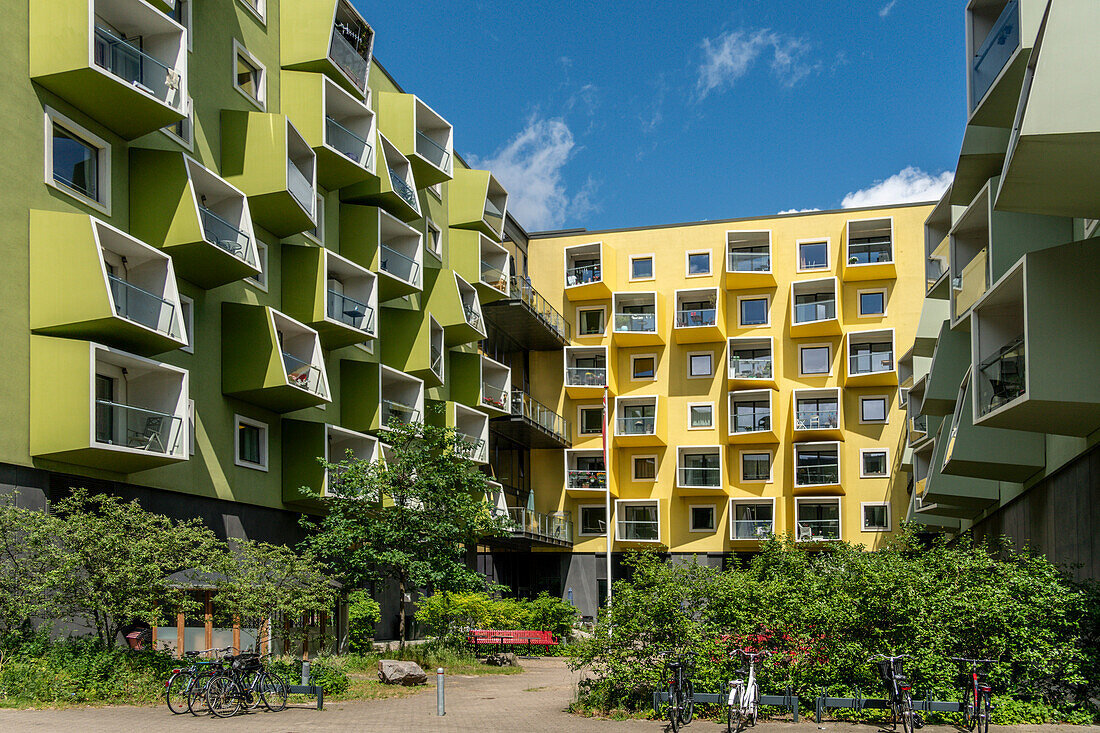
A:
[591, 420]
[639, 522]
[876, 517]
[817, 520]
[813, 359]
[251, 443]
[872, 303]
[77, 162]
[591, 322]
[187, 310]
[183, 131]
[260, 280]
[433, 238]
[436, 190]
[700, 365]
[698, 263]
[702, 518]
[701, 416]
[872, 409]
[593, 520]
[813, 255]
[644, 468]
[752, 520]
[756, 466]
[753, 311]
[873, 464]
[249, 76]
[643, 367]
[641, 268]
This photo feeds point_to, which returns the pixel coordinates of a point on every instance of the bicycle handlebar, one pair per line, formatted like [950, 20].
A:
[974, 661]
[876, 657]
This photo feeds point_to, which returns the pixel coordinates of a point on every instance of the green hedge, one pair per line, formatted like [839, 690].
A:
[328, 672]
[448, 616]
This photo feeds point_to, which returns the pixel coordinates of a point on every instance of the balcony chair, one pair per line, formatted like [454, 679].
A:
[149, 438]
[804, 532]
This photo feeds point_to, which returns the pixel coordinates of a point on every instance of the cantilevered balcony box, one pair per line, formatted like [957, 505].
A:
[937, 247]
[950, 361]
[751, 363]
[640, 421]
[338, 126]
[586, 371]
[461, 315]
[271, 360]
[414, 344]
[870, 250]
[393, 188]
[331, 294]
[749, 260]
[327, 36]
[472, 430]
[817, 414]
[981, 157]
[90, 280]
[699, 470]
[399, 259]
[1035, 341]
[817, 468]
[481, 382]
[585, 474]
[814, 308]
[94, 406]
[477, 201]
[494, 270]
[421, 134]
[753, 417]
[870, 361]
[999, 37]
[637, 318]
[697, 320]
[1054, 151]
[267, 158]
[401, 399]
[589, 271]
[304, 445]
[956, 496]
[194, 215]
[121, 62]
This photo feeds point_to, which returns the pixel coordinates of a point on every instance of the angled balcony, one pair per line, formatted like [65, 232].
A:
[393, 187]
[477, 201]
[462, 315]
[206, 226]
[751, 363]
[328, 37]
[414, 343]
[999, 37]
[871, 358]
[697, 320]
[817, 519]
[981, 157]
[817, 467]
[533, 425]
[399, 258]
[589, 271]
[123, 64]
[870, 250]
[814, 308]
[340, 127]
[749, 260]
[937, 247]
[94, 406]
[752, 417]
[481, 382]
[494, 269]
[699, 470]
[267, 158]
[638, 521]
[421, 134]
[331, 294]
[472, 431]
[586, 371]
[528, 318]
[953, 496]
[401, 399]
[818, 414]
[636, 319]
[1034, 343]
[91, 281]
[639, 421]
[303, 444]
[271, 360]
[585, 474]
[751, 520]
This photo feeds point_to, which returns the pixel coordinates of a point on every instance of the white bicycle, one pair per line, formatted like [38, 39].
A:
[743, 705]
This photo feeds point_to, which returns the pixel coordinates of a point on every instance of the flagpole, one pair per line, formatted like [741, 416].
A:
[607, 493]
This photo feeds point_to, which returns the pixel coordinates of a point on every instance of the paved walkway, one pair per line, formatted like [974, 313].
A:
[532, 701]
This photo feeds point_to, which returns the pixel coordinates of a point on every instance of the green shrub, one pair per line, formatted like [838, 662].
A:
[363, 613]
[447, 616]
[328, 672]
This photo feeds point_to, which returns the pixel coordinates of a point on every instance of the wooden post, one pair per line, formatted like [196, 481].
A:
[305, 636]
[179, 635]
[321, 636]
[153, 638]
[209, 620]
[265, 638]
[237, 633]
[286, 636]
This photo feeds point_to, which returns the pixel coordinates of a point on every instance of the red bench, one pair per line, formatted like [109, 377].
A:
[501, 638]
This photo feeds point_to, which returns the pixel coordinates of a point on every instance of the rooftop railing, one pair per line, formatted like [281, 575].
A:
[137, 427]
[399, 265]
[346, 142]
[527, 407]
[1002, 377]
[299, 186]
[585, 376]
[221, 233]
[302, 374]
[749, 262]
[435, 153]
[821, 310]
[136, 67]
[636, 322]
[344, 54]
[143, 307]
[350, 311]
[403, 189]
[692, 318]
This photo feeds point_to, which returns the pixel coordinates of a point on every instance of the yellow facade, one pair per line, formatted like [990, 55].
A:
[797, 418]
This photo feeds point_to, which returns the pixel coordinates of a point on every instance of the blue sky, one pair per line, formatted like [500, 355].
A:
[606, 115]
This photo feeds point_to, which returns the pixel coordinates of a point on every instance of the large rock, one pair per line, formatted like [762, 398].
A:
[396, 672]
[502, 659]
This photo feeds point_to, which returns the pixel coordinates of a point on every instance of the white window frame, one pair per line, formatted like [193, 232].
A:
[811, 444]
[690, 355]
[687, 263]
[191, 421]
[771, 466]
[260, 282]
[367, 347]
[726, 251]
[265, 436]
[429, 227]
[436, 189]
[619, 513]
[859, 303]
[862, 465]
[584, 308]
[652, 260]
[319, 220]
[103, 164]
[580, 524]
[713, 516]
[828, 241]
[633, 468]
[817, 499]
[749, 500]
[767, 311]
[885, 411]
[690, 405]
[187, 314]
[240, 50]
[814, 346]
[863, 517]
[259, 11]
[635, 357]
[580, 421]
[903, 397]
[187, 142]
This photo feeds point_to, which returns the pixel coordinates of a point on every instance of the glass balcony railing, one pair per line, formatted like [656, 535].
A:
[751, 422]
[403, 189]
[346, 142]
[811, 530]
[582, 275]
[817, 475]
[435, 153]
[760, 368]
[579, 479]
[636, 426]
[994, 52]
[221, 233]
[473, 318]
[521, 288]
[822, 310]
[749, 262]
[140, 306]
[816, 419]
[1002, 377]
[493, 215]
[585, 376]
[350, 311]
[302, 374]
[494, 277]
[494, 396]
[471, 447]
[694, 318]
[136, 67]
[919, 425]
[751, 529]
[636, 322]
[137, 427]
[972, 283]
[639, 530]
[880, 361]
[343, 53]
[868, 253]
[399, 412]
[299, 186]
[531, 409]
[539, 525]
[399, 265]
[706, 477]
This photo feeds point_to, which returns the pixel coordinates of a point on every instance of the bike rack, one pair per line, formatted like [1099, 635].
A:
[876, 703]
[783, 701]
[311, 690]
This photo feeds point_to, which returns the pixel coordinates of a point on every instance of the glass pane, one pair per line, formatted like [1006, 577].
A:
[700, 365]
[75, 163]
[813, 255]
[873, 409]
[591, 421]
[645, 468]
[870, 303]
[874, 517]
[874, 464]
[592, 520]
[246, 77]
[643, 368]
[702, 517]
[815, 360]
[592, 321]
[754, 312]
[641, 268]
[248, 438]
[701, 416]
[755, 466]
[699, 264]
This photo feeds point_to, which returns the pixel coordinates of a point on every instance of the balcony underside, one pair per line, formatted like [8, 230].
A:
[754, 436]
[982, 156]
[585, 392]
[588, 291]
[698, 335]
[528, 433]
[748, 280]
[111, 101]
[830, 327]
[634, 338]
[639, 440]
[872, 379]
[998, 107]
[1053, 174]
[523, 326]
[871, 271]
[521, 540]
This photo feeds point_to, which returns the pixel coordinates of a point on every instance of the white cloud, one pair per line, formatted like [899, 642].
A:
[729, 56]
[910, 185]
[795, 211]
[530, 167]
[885, 9]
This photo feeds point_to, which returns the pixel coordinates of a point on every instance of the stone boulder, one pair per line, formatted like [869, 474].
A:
[502, 659]
[396, 672]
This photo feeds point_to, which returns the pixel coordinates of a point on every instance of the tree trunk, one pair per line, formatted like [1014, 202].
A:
[401, 611]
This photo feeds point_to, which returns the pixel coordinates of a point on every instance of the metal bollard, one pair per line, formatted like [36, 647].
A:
[305, 673]
[439, 705]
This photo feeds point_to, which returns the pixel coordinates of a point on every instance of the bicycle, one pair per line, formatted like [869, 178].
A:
[899, 690]
[743, 704]
[180, 688]
[247, 682]
[681, 692]
[977, 697]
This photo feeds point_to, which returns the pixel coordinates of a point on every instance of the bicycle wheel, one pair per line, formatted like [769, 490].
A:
[274, 691]
[985, 713]
[175, 692]
[223, 696]
[754, 703]
[688, 709]
[196, 696]
[250, 683]
[733, 721]
[673, 710]
[969, 711]
[906, 713]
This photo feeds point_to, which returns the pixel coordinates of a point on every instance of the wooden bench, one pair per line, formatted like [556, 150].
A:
[511, 638]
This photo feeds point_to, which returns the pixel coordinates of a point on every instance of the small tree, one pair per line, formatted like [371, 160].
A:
[409, 518]
[363, 613]
[29, 560]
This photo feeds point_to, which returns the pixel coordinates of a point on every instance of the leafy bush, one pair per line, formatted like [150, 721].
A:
[330, 673]
[824, 612]
[363, 613]
[448, 616]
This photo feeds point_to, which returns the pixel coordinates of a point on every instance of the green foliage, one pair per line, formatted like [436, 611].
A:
[29, 559]
[448, 616]
[328, 672]
[363, 613]
[824, 612]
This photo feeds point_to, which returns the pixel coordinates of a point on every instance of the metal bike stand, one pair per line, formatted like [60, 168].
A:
[859, 702]
[783, 701]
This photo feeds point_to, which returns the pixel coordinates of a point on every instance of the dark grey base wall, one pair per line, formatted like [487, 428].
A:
[1057, 517]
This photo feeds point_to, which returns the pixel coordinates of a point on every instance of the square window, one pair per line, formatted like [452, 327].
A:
[260, 280]
[813, 255]
[813, 359]
[872, 303]
[876, 517]
[872, 409]
[874, 463]
[591, 322]
[249, 76]
[702, 518]
[591, 420]
[643, 367]
[698, 263]
[645, 468]
[701, 416]
[593, 520]
[756, 466]
[641, 268]
[251, 443]
[187, 310]
[700, 365]
[753, 311]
